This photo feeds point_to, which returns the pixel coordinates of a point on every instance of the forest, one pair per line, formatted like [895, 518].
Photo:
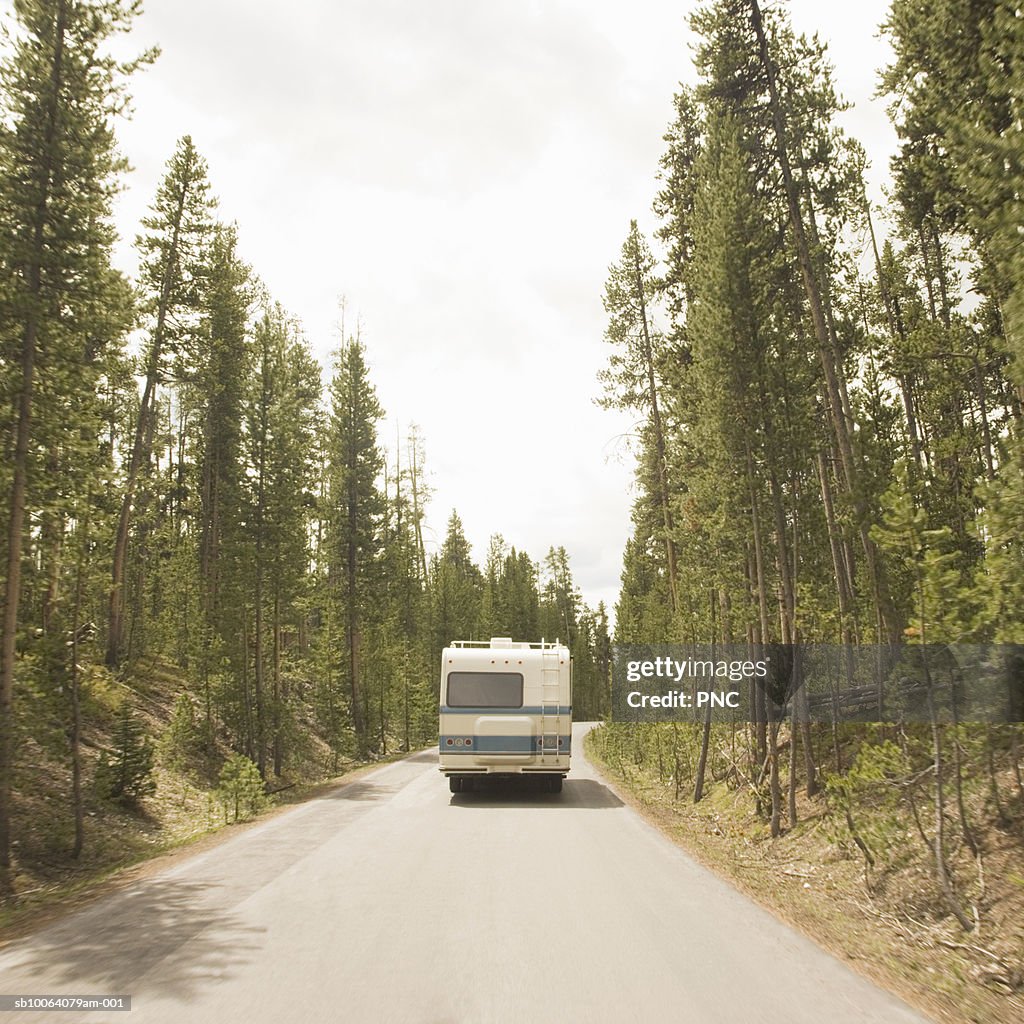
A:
[187, 496]
[829, 408]
[830, 449]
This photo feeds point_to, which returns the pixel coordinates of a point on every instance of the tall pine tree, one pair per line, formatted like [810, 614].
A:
[61, 92]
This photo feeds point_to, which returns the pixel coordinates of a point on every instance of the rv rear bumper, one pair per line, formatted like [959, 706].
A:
[513, 766]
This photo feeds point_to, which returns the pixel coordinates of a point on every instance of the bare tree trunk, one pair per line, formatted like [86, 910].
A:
[664, 498]
[940, 273]
[421, 554]
[75, 731]
[787, 609]
[705, 735]
[1015, 758]
[759, 741]
[407, 724]
[52, 542]
[250, 746]
[278, 688]
[773, 765]
[257, 675]
[844, 596]
[791, 787]
[986, 430]
[929, 279]
[939, 839]
[261, 757]
[354, 640]
[762, 600]
[676, 764]
[993, 784]
[896, 331]
[958, 779]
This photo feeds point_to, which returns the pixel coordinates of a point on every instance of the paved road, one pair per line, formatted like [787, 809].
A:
[392, 900]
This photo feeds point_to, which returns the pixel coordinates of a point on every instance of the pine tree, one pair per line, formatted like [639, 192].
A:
[355, 514]
[172, 265]
[815, 284]
[1000, 579]
[674, 205]
[58, 171]
[456, 589]
[281, 408]
[520, 600]
[956, 76]
[492, 603]
[631, 380]
[406, 699]
[213, 367]
[125, 773]
[561, 602]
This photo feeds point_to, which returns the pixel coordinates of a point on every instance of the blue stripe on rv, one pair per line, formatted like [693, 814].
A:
[501, 745]
[564, 709]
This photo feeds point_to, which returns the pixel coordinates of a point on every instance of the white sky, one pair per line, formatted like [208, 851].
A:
[463, 171]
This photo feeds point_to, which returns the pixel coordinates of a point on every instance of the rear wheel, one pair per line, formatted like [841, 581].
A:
[455, 783]
[555, 784]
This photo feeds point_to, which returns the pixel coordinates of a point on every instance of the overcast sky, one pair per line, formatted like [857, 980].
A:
[463, 171]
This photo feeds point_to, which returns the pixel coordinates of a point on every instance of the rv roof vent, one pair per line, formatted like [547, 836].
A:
[501, 641]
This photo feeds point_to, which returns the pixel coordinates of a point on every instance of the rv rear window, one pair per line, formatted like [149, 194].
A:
[485, 690]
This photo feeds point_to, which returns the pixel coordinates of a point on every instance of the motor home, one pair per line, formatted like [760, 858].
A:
[506, 711]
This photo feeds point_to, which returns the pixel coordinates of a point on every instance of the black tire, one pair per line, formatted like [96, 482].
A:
[555, 784]
[455, 783]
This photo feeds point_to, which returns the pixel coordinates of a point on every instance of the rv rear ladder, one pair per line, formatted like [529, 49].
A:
[550, 704]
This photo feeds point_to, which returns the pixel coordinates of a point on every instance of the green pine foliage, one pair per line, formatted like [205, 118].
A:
[839, 458]
[182, 745]
[64, 315]
[1000, 525]
[183, 496]
[125, 772]
[240, 788]
[927, 559]
[354, 518]
[825, 451]
[869, 805]
[172, 252]
[957, 104]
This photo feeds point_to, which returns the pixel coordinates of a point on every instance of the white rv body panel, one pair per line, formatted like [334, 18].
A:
[506, 709]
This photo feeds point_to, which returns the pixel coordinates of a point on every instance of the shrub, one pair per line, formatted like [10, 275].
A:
[182, 745]
[241, 787]
[125, 773]
[867, 803]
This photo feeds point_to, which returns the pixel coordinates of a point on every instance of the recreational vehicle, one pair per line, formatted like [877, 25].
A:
[506, 710]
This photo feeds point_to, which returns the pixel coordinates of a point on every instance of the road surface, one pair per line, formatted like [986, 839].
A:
[391, 900]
